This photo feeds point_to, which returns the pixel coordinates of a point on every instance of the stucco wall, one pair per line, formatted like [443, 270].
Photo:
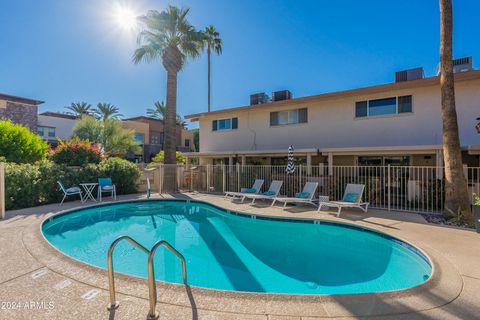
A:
[24, 114]
[332, 123]
[63, 127]
[138, 127]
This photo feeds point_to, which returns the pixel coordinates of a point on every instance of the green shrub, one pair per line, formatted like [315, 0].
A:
[124, 174]
[18, 144]
[76, 152]
[159, 157]
[476, 200]
[29, 185]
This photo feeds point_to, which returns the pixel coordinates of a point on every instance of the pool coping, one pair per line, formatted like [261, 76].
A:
[443, 286]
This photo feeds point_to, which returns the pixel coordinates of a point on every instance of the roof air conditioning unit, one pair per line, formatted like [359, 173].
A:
[281, 95]
[259, 98]
[460, 65]
[410, 74]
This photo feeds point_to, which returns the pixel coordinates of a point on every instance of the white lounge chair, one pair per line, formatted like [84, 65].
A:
[270, 194]
[106, 185]
[306, 196]
[69, 191]
[255, 189]
[352, 198]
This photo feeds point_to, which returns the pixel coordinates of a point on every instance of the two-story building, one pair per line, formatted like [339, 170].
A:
[397, 123]
[52, 126]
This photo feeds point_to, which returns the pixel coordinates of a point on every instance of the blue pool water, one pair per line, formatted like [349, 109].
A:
[235, 252]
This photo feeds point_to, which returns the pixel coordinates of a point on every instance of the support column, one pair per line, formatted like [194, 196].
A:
[309, 164]
[230, 160]
[244, 161]
[330, 164]
[187, 163]
[439, 163]
[2, 191]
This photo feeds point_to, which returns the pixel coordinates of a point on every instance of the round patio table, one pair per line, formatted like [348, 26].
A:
[88, 187]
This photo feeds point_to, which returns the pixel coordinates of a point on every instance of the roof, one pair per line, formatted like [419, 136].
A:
[59, 115]
[425, 82]
[144, 118]
[11, 98]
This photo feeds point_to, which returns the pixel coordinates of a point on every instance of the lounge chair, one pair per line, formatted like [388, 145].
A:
[70, 191]
[106, 185]
[255, 189]
[306, 196]
[270, 194]
[352, 198]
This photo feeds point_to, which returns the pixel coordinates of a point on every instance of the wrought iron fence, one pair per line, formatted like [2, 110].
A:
[399, 188]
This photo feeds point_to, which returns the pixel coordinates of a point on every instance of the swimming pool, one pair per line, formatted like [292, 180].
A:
[229, 251]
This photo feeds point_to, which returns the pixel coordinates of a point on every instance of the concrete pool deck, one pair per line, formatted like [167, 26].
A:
[38, 282]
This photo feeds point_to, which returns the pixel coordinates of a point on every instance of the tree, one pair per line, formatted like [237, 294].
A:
[213, 42]
[20, 145]
[169, 37]
[105, 111]
[160, 157]
[196, 139]
[159, 112]
[79, 108]
[456, 191]
[115, 140]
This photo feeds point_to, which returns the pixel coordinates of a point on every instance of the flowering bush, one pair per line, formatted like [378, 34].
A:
[76, 152]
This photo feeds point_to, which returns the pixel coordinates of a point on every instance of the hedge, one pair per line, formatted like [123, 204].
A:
[29, 185]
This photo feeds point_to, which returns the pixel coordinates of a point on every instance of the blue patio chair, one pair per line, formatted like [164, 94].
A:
[69, 191]
[106, 185]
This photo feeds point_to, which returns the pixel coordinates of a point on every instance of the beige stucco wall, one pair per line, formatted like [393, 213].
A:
[187, 134]
[138, 127]
[332, 123]
[63, 127]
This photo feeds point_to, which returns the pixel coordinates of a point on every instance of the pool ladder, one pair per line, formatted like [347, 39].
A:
[152, 288]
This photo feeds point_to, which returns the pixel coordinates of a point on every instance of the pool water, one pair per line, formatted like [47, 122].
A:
[227, 251]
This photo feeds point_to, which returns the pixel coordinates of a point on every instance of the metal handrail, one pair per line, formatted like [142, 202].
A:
[111, 281]
[152, 289]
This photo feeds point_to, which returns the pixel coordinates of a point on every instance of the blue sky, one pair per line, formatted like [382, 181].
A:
[62, 51]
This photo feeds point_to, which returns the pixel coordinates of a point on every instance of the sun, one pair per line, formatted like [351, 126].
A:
[125, 17]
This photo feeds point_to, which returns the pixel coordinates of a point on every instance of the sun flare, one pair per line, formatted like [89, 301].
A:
[125, 17]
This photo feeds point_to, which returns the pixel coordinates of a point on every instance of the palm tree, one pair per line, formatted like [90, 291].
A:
[213, 42]
[169, 37]
[159, 112]
[106, 111]
[456, 191]
[79, 108]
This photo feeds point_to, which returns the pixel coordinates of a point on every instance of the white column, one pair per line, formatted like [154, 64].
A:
[244, 161]
[309, 164]
[230, 160]
[2, 191]
[187, 163]
[330, 164]
[439, 163]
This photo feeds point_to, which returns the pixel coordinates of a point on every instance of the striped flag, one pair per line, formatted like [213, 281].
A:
[290, 165]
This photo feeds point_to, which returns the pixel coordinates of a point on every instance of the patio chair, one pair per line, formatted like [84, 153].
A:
[106, 185]
[272, 192]
[255, 189]
[352, 198]
[69, 191]
[306, 196]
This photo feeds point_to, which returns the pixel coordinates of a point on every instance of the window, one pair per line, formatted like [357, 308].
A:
[41, 131]
[225, 124]
[294, 116]
[187, 143]
[154, 139]
[139, 138]
[383, 160]
[385, 106]
[51, 132]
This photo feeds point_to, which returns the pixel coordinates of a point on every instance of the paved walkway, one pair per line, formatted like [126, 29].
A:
[37, 286]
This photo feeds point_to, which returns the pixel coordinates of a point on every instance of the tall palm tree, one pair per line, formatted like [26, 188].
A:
[456, 191]
[106, 111]
[213, 42]
[159, 112]
[79, 108]
[169, 37]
